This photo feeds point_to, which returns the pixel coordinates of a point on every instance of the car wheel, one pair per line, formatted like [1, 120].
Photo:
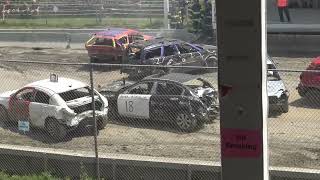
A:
[4, 117]
[302, 92]
[55, 129]
[101, 123]
[285, 107]
[185, 122]
[210, 61]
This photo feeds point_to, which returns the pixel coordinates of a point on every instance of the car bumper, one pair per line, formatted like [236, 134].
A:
[86, 118]
[275, 102]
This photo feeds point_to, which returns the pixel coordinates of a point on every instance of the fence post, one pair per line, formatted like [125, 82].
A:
[68, 37]
[95, 124]
[166, 13]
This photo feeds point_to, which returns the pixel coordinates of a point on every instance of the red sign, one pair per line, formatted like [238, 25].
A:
[241, 143]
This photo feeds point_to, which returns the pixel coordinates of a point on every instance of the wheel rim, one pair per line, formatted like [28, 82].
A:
[211, 62]
[184, 121]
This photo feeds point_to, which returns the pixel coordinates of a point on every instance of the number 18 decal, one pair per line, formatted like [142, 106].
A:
[136, 105]
[129, 106]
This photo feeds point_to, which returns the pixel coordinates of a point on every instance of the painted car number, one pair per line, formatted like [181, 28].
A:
[136, 105]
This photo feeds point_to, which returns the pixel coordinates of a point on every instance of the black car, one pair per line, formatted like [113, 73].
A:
[188, 106]
[167, 52]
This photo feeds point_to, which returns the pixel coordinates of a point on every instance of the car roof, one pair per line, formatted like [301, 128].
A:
[115, 32]
[63, 85]
[155, 42]
[174, 77]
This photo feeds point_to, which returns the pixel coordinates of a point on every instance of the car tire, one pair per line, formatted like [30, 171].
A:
[55, 129]
[302, 92]
[210, 61]
[185, 122]
[285, 107]
[4, 116]
[101, 123]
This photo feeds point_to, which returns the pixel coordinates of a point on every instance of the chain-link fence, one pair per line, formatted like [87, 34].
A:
[169, 113]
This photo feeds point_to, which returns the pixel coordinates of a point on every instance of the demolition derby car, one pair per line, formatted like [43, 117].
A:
[185, 100]
[167, 52]
[111, 43]
[309, 85]
[277, 93]
[56, 105]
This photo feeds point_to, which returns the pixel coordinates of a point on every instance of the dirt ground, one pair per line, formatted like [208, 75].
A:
[294, 138]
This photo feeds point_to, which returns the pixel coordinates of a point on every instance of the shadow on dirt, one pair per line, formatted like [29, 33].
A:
[42, 136]
[101, 67]
[274, 113]
[149, 124]
[310, 103]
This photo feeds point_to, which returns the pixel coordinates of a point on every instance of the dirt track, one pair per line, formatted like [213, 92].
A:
[294, 137]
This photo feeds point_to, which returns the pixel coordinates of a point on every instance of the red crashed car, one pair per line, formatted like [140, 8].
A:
[111, 43]
[310, 80]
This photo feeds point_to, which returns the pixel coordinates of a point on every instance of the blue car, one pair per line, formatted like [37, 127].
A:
[166, 52]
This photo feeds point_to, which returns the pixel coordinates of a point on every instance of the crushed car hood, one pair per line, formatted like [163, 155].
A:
[275, 88]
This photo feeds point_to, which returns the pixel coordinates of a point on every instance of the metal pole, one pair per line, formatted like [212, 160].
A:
[95, 124]
[166, 13]
[243, 94]
[100, 9]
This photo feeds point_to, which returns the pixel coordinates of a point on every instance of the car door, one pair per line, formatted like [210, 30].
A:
[100, 46]
[171, 55]
[167, 100]
[40, 108]
[19, 104]
[191, 56]
[134, 102]
[153, 56]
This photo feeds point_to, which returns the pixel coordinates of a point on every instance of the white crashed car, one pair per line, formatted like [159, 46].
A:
[56, 105]
[277, 93]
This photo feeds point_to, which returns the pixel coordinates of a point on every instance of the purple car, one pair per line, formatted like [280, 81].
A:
[167, 52]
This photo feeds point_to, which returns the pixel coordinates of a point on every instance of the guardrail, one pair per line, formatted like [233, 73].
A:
[28, 160]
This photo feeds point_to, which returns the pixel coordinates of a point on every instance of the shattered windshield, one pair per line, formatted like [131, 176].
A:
[75, 94]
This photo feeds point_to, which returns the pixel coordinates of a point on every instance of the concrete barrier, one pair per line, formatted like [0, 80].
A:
[279, 44]
[29, 160]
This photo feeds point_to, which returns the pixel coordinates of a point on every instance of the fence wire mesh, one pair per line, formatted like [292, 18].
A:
[169, 114]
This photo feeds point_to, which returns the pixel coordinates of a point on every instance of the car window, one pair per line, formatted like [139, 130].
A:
[75, 94]
[26, 95]
[169, 50]
[186, 48]
[142, 88]
[123, 40]
[42, 97]
[153, 53]
[138, 37]
[104, 42]
[164, 88]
